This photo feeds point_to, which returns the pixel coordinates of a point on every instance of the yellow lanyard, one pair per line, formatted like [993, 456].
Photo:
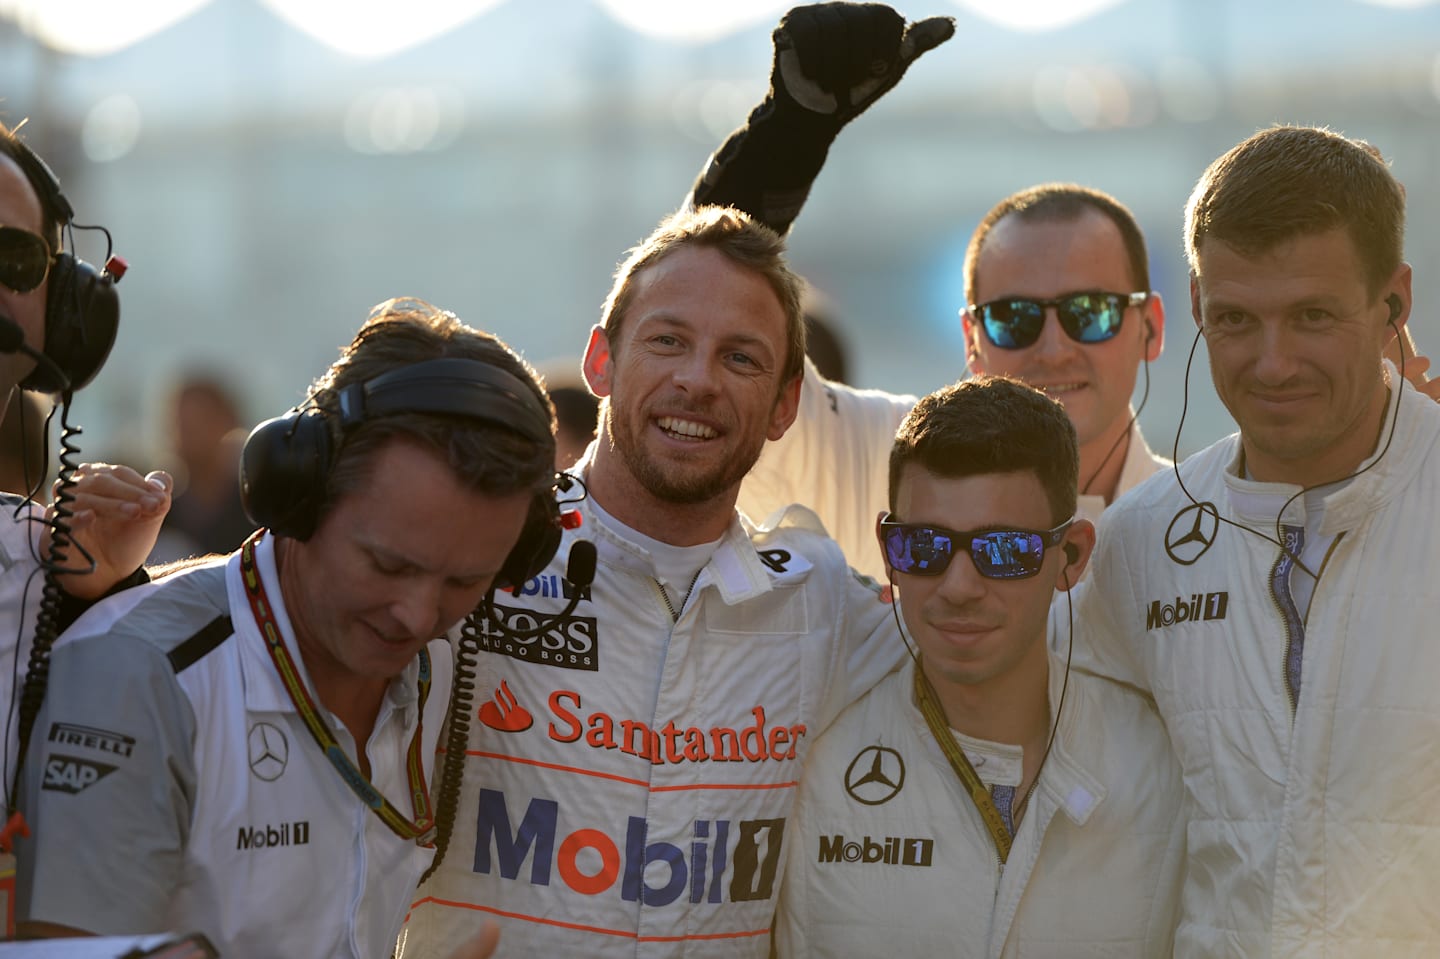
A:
[940, 729]
[422, 829]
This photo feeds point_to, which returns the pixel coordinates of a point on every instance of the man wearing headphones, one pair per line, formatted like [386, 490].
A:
[640, 736]
[58, 318]
[906, 832]
[1277, 594]
[1057, 283]
[245, 747]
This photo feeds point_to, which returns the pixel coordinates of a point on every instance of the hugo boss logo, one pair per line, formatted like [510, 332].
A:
[569, 642]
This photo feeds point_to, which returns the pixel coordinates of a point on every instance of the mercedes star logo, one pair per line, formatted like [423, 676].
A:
[875, 775]
[269, 751]
[1192, 532]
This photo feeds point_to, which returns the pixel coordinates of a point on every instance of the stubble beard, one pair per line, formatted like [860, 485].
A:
[682, 490]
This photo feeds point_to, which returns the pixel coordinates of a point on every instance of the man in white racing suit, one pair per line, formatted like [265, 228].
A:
[1074, 843]
[1057, 285]
[633, 763]
[1278, 597]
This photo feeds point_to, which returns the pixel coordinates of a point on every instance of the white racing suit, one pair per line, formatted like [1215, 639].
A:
[891, 857]
[1314, 823]
[630, 777]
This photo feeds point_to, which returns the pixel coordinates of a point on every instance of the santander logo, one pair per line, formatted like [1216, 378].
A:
[504, 713]
[754, 739]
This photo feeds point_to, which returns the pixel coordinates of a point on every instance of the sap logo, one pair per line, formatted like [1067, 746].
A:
[571, 642]
[892, 850]
[749, 848]
[552, 587]
[88, 737]
[268, 836]
[67, 774]
[1198, 607]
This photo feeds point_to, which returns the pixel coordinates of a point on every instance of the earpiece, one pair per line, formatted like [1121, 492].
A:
[1395, 307]
[82, 310]
[286, 463]
[1149, 330]
[1072, 554]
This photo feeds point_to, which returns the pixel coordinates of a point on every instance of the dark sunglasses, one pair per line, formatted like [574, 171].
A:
[1092, 317]
[24, 259]
[997, 553]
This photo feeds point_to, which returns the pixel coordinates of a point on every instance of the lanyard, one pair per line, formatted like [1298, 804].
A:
[422, 830]
[979, 795]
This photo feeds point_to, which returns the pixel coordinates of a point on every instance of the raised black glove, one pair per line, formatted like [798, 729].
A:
[832, 60]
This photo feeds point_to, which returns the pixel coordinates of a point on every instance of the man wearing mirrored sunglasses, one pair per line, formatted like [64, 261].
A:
[1057, 283]
[29, 235]
[984, 800]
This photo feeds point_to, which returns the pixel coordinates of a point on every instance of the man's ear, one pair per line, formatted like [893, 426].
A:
[1075, 550]
[880, 540]
[1154, 327]
[599, 365]
[1195, 302]
[972, 343]
[1398, 298]
[787, 406]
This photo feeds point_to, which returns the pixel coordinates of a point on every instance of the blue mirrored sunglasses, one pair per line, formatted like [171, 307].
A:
[919, 550]
[1015, 322]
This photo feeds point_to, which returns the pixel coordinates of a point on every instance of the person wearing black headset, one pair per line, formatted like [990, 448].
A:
[245, 747]
[1278, 592]
[58, 318]
[1057, 283]
[984, 800]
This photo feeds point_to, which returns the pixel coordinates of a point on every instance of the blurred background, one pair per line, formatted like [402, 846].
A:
[273, 168]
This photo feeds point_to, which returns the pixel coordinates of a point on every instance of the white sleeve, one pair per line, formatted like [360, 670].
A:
[110, 818]
[835, 459]
[1102, 644]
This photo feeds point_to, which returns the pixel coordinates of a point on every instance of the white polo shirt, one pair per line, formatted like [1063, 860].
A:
[21, 582]
[174, 786]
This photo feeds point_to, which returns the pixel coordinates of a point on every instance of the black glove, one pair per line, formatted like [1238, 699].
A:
[832, 60]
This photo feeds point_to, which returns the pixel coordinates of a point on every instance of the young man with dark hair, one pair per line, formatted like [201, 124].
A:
[1277, 594]
[985, 799]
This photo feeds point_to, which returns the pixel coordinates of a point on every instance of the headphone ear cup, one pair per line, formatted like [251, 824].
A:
[82, 315]
[538, 543]
[283, 471]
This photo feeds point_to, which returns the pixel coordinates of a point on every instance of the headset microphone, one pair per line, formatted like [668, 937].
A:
[12, 340]
[579, 573]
